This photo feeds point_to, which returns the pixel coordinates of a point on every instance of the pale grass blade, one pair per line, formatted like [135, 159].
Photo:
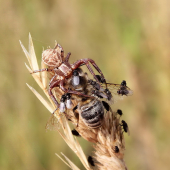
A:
[74, 145]
[33, 56]
[43, 101]
[44, 75]
[74, 167]
[26, 54]
[82, 155]
[69, 143]
[63, 160]
[67, 129]
[28, 68]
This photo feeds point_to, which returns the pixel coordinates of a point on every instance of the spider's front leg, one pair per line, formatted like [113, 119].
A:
[86, 62]
[41, 70]
[53, 83]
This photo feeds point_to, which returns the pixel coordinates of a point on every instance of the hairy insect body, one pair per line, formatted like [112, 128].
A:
[90, 109]
[78, 82]
[92, 113]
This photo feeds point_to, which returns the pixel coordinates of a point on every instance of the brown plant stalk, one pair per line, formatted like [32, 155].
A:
[105, 139]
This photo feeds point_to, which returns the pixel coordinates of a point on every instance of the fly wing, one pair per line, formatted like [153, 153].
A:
[52, 123]
[115, 88]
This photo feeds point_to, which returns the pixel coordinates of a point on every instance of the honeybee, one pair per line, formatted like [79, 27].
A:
[91, 111]
[89, 107]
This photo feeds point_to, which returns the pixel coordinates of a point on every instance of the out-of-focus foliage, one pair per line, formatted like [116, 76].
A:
[128, 39]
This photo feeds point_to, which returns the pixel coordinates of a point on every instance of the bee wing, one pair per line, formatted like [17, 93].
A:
[52, 123]
[113, 88]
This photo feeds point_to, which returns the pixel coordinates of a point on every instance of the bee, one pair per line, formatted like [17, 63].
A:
[91, 112]
[91, 109]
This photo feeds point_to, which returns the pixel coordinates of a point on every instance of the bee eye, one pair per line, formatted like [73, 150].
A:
[62, 107]
[69, 104]
[76, 80]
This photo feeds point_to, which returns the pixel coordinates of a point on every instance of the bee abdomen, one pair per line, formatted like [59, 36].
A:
[92, 113]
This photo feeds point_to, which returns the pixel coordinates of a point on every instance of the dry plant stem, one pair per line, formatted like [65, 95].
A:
[105, 138]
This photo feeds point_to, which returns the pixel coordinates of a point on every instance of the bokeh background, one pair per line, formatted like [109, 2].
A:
[129, 40]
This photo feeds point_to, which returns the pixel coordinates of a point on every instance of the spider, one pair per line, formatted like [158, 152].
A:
[61, 69]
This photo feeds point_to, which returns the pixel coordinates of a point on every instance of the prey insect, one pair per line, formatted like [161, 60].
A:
[89, 110]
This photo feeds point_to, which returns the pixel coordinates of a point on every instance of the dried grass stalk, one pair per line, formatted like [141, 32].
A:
[105, 138]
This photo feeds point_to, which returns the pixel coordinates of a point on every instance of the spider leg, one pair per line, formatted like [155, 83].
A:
[44, 69]
[67, 57]
[96, 67]
[52, 85]
[86, 62]
[51, 81]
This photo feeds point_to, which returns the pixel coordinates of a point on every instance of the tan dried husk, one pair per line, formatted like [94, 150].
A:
[105, 138]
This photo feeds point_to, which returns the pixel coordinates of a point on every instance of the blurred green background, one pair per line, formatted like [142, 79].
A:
[128, 40]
